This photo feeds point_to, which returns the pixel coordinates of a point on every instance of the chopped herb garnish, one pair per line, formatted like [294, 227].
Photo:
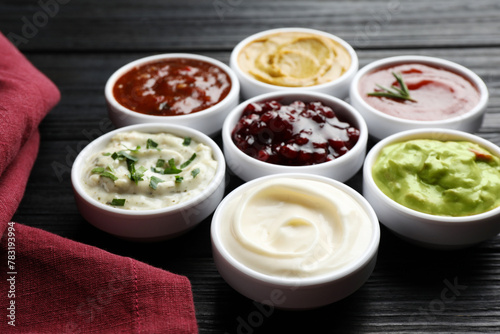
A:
[187, 141]
[136, 175]
[106, 154]
[186, 163]
[151, 144]
[134, 150]
[102, 172]
[178, 179]
[118, 202]
[160, 163]
[153, 182]
[171, 169]
[109, 175]
[122, 155]
[97, 170]
[394, 92]
[167, 169]
[140, 173]
[157, 170]
[195, 172]
[131, 166]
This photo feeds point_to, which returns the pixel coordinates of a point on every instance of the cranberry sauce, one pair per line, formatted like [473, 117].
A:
[294, 135]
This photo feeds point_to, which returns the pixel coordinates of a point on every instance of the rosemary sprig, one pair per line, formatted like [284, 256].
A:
[394, 92]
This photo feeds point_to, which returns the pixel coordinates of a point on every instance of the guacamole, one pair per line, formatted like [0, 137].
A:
[446, 178]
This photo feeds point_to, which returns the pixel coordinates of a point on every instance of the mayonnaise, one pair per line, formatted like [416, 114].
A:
[295, 228]
[168, 170]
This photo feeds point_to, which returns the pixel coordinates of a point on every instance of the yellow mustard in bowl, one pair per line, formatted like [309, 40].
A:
[294, 59]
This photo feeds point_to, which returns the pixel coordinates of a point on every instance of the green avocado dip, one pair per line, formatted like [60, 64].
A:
[446, 178]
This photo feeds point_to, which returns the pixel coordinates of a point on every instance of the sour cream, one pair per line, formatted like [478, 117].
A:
[294, 228]
[167, 170]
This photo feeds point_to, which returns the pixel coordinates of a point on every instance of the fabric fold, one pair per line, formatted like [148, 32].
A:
[63, 286]
[51, 284]
[26, 97]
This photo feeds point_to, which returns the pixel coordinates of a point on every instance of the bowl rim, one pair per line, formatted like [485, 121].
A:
[355, 266]
[218, 178]
[454, 67]
[232, 95]
[333, 101]
[353, 68]
[426, 133]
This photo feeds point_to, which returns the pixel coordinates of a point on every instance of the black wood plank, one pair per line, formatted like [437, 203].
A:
[219, 24]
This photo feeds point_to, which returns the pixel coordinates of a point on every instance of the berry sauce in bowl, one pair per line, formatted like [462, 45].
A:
[294, 134]
[289, 132]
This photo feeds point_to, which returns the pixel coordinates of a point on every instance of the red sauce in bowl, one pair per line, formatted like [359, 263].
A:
[170, 87]
[437, 93]
[297, 134]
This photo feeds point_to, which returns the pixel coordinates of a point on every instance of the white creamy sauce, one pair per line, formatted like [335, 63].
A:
[140, 195]
[295, 228]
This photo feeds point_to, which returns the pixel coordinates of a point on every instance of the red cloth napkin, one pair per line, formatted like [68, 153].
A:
[62, 286]
[50, 284]
[26, 96]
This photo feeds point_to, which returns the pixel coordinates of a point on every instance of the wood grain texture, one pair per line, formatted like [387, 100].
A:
[86, 41]
[220, 24]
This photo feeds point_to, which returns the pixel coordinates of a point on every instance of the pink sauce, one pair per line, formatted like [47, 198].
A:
[438, 93]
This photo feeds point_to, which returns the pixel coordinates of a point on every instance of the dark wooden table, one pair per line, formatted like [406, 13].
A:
[78, 44]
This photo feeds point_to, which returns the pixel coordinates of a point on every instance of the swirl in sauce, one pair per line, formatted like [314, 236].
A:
[292, 227]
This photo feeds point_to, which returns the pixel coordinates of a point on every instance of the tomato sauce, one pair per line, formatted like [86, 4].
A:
[171, 87]
[436, 93]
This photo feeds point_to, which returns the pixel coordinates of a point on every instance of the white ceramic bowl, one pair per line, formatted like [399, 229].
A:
[381, 125]
[287, 291]
[251, 87]
[208, 121]
[427, 230]
[342, 168]
[156, 224]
